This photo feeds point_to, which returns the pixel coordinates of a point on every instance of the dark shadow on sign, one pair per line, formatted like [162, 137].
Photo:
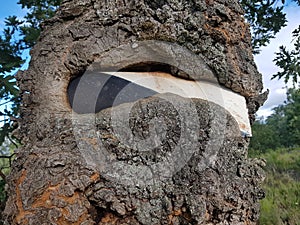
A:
[94, 92]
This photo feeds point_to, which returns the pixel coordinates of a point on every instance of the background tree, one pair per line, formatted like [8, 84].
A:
[264, 137]
[266, 20]
[282, 128]
[289, 61]
[18, 36]
[292, 114]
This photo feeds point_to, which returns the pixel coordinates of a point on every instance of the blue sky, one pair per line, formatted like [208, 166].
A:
[264, 60]
[10, 7]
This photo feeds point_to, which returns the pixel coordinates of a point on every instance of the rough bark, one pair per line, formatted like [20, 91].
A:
[77, 170]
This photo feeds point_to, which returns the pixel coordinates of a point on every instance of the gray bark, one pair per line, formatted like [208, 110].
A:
[177, 160]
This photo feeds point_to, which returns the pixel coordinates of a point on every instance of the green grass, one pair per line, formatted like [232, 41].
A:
[281, 206]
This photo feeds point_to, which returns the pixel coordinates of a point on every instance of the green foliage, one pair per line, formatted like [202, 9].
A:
[10, 59]
[40, 10]
[9, 50]
[18, 36]
[6, 157]
[286, 119]
[282, 128]
[292, 112]
[281, 205]
[289, 61]
[8, 94]
[266, 20]
[283, 160]
[264, 137]
[282, 186]
[9, 86]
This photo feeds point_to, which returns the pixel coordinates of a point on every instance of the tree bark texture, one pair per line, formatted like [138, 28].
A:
[176, 160]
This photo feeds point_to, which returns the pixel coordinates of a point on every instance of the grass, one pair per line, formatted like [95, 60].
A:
[281, 206]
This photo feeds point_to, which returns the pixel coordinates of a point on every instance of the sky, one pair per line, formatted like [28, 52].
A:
[264, 60]
[267, 67]
[10, 7]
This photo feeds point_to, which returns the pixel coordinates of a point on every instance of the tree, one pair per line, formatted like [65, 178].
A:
[285, 119]
[264, 137]
[29, 31]
[192, 172]
[292, 113]
[17, 37]
[277, 121]
[282, 128]
[289, 61]
[266, 20]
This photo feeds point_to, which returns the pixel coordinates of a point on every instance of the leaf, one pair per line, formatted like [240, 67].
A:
[9, 84]
[12, 21]
[266, 20]
[289, 62]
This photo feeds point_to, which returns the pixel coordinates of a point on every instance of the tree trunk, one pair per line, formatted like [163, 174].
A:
[155, 158]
